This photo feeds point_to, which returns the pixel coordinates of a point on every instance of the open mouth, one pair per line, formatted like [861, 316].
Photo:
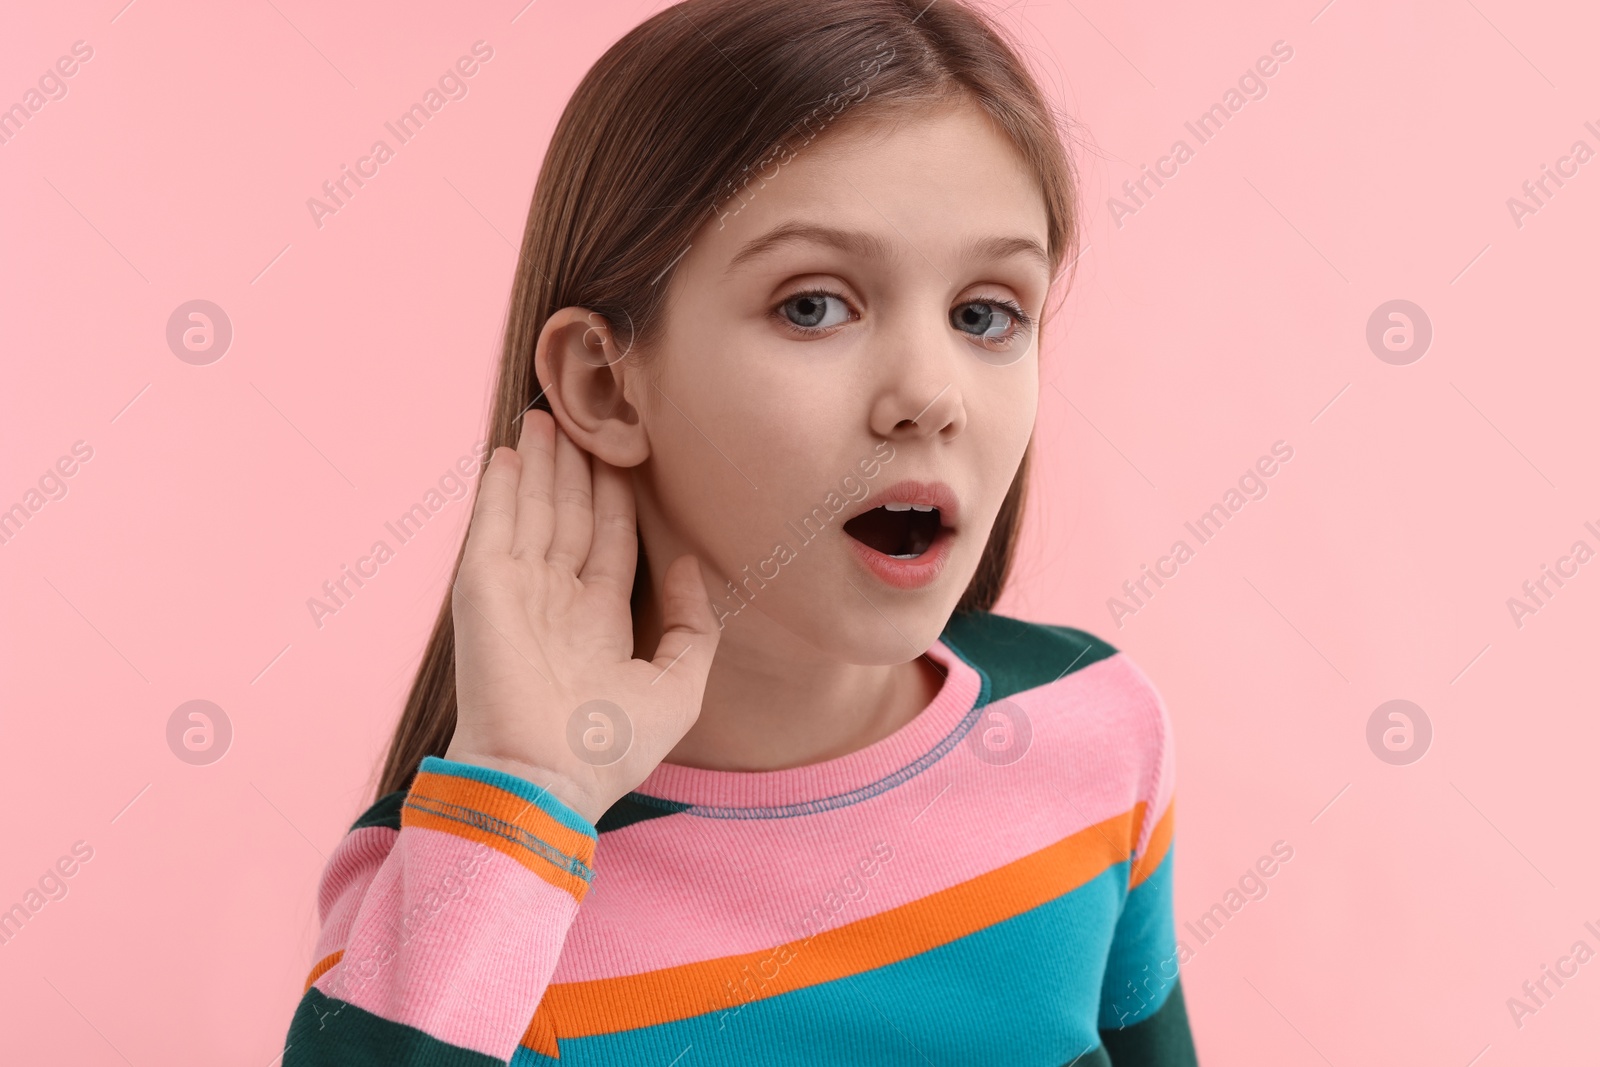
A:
[900, 531]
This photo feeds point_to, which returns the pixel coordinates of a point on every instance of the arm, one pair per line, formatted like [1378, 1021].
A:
[1143, 1021]
[443, 913]
[440, 930]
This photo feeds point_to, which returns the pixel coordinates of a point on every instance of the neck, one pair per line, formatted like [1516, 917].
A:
[774, 701]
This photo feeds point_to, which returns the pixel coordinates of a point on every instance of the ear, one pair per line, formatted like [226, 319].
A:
[586, 379]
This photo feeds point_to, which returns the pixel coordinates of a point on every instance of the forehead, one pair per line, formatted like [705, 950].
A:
[924, 186]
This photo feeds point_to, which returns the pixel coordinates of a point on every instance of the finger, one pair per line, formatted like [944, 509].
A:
[574, 506]
[535, 509]
[615, 552]
[494, 512]
[690, 626]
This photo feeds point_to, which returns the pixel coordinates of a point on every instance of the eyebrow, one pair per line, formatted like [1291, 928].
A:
[861, 245]
[1005, 248]
[871, 246]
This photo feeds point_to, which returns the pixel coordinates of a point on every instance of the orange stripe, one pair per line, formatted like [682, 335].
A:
[321, 969]
[541, 1033]
[531, 860]
[1156, 850]
[500, 804]
[516, 814]
[609, 1005]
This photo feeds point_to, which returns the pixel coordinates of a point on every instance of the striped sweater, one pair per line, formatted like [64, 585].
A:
[990, 883]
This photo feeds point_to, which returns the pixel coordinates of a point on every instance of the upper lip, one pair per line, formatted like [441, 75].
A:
[911, 491]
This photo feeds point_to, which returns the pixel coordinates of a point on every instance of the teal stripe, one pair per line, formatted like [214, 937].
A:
[1023, 992]
[551, 804]
[1143, 967]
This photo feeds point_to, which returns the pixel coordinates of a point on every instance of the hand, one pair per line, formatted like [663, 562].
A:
[543, 626]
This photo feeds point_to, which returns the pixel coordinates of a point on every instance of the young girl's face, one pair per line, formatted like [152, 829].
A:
[839, 338]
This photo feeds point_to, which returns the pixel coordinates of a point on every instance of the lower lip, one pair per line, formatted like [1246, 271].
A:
[907, 573]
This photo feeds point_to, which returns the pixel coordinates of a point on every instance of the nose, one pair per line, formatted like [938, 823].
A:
[919, 390]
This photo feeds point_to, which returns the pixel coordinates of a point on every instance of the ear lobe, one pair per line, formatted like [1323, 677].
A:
[584, 374]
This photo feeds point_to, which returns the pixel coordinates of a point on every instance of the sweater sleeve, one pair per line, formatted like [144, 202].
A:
[443, 912]
[1143, 1021]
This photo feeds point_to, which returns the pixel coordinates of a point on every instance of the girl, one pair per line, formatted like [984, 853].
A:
[719, 754]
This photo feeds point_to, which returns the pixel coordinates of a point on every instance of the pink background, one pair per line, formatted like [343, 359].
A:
[1228, 313]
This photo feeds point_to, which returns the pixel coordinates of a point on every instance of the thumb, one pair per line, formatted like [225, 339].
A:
[690, 630]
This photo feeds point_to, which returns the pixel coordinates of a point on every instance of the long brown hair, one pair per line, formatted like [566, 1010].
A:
[674, 127]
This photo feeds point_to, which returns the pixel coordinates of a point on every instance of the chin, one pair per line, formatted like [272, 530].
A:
[893, 628]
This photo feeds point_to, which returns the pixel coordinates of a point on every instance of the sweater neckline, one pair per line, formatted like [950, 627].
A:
[835, 782]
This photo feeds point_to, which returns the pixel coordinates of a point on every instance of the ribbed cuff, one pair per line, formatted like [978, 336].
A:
[509, 814]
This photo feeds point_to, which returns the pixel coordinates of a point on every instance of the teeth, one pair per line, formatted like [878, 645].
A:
[897, 507]
[921, 507]
[908, 555]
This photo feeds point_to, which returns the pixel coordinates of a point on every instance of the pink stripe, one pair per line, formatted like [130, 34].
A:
[1092, 756]
[351, 868]
[1162, 755]
[479, 949]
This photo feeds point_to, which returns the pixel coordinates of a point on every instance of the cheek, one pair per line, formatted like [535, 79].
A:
[1002, 413]
[761, 409]
[1001, 419]
[740, 450]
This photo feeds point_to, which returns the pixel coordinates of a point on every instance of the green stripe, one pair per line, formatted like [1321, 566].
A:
[1018, 655]
[1162, 1040]
[633, 809]
[339, 1034]
[386, 812]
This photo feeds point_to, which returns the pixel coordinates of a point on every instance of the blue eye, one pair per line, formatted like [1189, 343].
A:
[991, 321]
[811, 311]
